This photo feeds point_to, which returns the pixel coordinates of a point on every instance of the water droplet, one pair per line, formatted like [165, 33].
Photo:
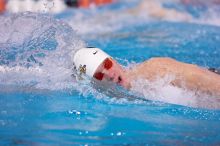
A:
[119, 134]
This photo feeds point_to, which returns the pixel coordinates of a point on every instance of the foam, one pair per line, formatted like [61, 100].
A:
[38, 54]
[162, 90]
[210, 17]
[41, 6]
[95, 21]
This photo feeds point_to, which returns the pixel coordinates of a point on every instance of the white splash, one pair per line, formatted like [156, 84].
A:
[94, 21]
[36, 50]
[41, 6]
[162, 90]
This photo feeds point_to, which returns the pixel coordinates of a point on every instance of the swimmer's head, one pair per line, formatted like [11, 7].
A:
[89, 59]
[97, 64]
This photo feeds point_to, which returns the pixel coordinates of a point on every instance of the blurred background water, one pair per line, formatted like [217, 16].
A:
[41, 104]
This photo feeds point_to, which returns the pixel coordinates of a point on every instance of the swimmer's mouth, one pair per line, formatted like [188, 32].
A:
[119, 80]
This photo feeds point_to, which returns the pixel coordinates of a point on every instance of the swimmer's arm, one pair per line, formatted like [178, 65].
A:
[186, 75]
[202, 79]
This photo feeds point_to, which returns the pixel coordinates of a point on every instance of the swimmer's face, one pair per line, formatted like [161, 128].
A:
[110, 70]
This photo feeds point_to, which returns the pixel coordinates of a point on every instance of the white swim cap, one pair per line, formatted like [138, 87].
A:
[89, 59]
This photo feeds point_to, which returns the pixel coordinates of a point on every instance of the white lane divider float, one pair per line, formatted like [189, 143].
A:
[41, 6]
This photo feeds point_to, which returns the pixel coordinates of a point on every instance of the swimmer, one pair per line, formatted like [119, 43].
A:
[151, 8]
[97, 64]
[155, 9]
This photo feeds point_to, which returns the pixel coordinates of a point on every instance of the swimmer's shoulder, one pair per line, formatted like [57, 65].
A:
[163, 64]
[153, 64]
[167, 61]
[160, 65]
[160, 60]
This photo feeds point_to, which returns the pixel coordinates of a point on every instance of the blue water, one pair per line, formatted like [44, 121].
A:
[41, 104]
[62, 118]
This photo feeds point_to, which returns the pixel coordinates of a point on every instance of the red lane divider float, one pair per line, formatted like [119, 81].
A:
[2, 6]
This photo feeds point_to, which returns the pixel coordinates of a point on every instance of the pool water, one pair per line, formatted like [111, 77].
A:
[41, 104]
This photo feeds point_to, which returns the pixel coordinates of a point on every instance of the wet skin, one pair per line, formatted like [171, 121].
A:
[186, 75]
[115, 74]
